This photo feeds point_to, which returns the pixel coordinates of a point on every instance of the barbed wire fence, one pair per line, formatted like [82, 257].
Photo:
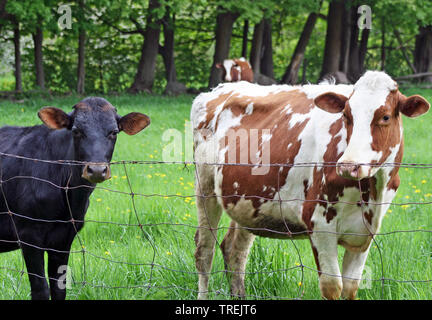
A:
[133, 194]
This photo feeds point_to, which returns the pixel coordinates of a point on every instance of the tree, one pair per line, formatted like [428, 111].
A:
[223, 32]
[423, 51]
[291, 73]
[81, 49]
[145, 74]
[333, 41]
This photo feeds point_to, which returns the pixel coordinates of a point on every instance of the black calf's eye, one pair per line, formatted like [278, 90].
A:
[113, 134]
[76, 132]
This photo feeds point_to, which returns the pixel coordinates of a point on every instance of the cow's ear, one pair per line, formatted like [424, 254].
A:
[331, 102]
[133, 122]
[219, 65]
[55, 118]
[413, 106]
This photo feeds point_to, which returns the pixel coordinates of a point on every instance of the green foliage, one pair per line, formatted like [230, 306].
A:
[115, 31]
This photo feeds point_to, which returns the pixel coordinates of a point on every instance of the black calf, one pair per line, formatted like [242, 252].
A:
[29, 192]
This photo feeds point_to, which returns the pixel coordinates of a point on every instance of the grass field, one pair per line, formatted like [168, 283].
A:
[121, 260]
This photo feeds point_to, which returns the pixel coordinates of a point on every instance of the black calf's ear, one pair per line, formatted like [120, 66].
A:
[54, 118]
[133, 122]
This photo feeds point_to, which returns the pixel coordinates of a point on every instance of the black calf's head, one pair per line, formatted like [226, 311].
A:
[94, 124]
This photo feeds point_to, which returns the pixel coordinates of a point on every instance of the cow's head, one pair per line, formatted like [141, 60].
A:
[94, 125]
[232, 69]
[372, 116]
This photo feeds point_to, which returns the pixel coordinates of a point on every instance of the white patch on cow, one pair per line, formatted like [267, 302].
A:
[289, 145]
[235, 185]
[370, 92]
[264, 188]
[312, 91]
[249, 109]
[258, 154]
[228, 63]
[287, 109]
[297, 118]
[266, 137]
[226, 121]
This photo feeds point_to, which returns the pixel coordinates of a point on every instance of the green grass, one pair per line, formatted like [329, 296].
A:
[166, 239]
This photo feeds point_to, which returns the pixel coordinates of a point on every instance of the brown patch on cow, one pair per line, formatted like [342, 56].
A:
[312, 198]
[386, 134]
[368, 215]
[211, 108]
[245, 69]
[330, 214]
[82, 106]
[267, 114]
[305, 187]
[394, 182]
[107, 108]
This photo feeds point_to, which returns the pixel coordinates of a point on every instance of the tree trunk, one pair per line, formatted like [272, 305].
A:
[38, 56]
[16, 40]
[3, 12]
[167, 51]
[81, 53]
[404, 51]
[291, 74]
[256, 49]
[333, 39]
[423, 52]
[363, 49]
[145, 74]
[245, 39]
[224, 26]
[267, 48]
[345, 36]
[383, 52]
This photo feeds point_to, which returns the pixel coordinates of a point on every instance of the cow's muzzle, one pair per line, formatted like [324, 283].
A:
[96, 172]
[351, 170]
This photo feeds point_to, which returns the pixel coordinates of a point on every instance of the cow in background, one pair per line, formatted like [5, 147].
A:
[234, 70]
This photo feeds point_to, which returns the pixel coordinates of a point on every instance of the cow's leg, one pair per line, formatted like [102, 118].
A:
[235, 248]
[57, 268]
[352, 269]
[324, 246]
[34, 260]
[209, 213]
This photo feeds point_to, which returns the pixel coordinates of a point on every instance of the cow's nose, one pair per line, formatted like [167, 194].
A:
[349, 170]
[96, 173]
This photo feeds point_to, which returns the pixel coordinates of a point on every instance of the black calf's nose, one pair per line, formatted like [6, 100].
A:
[96, 173]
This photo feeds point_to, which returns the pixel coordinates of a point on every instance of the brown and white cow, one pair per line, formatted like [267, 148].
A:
[340, 137]
[234, 70]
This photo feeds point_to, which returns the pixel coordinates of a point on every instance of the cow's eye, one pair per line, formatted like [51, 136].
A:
[386, 118]
[77, 133]
[113, 134]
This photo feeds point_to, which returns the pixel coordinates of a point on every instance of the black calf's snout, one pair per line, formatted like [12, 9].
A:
[96, 173]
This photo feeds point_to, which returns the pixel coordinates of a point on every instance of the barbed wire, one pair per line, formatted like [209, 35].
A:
[151, 283]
